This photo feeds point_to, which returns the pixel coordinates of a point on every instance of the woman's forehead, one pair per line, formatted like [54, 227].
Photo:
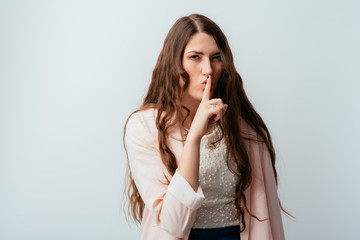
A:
[201, 43]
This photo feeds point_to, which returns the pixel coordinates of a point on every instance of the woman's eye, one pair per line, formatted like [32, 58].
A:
[217, 58]
[195, 57]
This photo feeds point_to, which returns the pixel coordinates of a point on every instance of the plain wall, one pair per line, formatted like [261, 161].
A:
[72, 71]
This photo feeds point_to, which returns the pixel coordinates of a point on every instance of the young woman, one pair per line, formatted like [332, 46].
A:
[201, 163]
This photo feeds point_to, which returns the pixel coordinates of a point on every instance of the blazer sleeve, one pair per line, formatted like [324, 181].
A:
[172, 205]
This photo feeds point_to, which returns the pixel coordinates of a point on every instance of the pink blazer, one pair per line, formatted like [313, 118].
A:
[170, 209]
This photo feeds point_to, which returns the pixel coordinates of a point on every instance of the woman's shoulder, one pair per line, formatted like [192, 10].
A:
[142, 120]
[141, 115]
[245, 127]
[248, 132]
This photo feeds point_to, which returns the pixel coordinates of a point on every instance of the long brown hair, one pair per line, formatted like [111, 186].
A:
[164, 95]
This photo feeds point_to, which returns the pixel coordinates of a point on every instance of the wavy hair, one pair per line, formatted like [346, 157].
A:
[164, 95]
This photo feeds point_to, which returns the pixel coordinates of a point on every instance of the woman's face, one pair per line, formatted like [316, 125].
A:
[201, 58]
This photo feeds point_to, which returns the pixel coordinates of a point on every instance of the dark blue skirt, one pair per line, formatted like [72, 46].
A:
[224, 233]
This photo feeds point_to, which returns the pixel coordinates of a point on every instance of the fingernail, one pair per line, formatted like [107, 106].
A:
[207, 76]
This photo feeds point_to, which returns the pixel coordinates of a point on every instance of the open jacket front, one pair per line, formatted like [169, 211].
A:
[170, 209]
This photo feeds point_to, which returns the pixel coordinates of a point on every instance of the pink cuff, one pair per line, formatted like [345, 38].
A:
[184, 193]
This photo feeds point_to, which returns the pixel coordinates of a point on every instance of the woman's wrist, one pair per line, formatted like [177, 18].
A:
[193, 138]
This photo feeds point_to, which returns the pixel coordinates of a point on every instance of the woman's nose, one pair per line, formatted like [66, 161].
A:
[206, 67]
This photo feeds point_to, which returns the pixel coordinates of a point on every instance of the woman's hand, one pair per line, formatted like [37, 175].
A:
[208, 113]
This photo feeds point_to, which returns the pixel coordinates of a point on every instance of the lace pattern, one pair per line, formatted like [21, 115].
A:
[218, 184]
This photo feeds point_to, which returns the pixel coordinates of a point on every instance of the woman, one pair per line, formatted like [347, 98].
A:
[201, 161]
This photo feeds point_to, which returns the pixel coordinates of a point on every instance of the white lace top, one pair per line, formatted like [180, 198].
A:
[218, 185]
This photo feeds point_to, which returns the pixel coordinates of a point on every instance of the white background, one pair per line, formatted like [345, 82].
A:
[72, 71]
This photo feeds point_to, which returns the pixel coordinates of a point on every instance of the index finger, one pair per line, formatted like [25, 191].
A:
[207, 90]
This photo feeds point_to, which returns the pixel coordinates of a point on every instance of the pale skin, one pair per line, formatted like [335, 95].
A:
[202, 61]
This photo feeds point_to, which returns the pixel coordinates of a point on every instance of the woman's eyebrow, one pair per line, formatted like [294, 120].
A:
[193, 51]
[197, 52]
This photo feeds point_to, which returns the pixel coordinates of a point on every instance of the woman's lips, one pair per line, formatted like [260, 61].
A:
[205, 80]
